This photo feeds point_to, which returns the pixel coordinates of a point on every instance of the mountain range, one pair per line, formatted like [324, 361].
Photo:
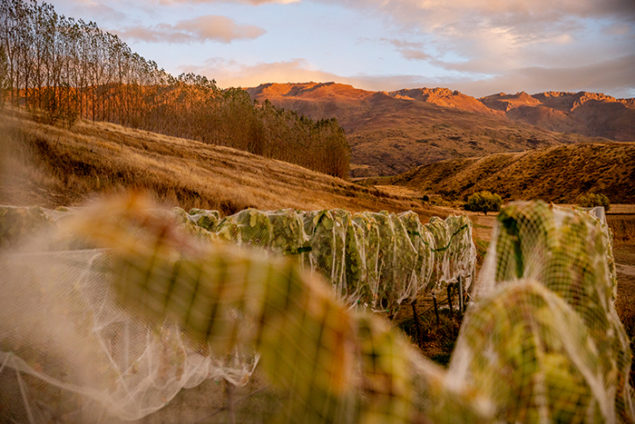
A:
[391, 132]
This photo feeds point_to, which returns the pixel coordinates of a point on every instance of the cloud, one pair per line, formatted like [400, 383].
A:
[611, 77]
[253, 2]
[92, 8]
[521, 15]
[203, 28]
[495, 35]
[229, 73]
[415, 54]
[409, 49]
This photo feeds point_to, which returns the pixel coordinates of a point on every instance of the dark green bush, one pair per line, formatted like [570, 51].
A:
[591, 200]
[483, 201]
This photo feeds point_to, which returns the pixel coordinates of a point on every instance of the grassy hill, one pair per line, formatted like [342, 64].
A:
[51, 166]
[557, 174]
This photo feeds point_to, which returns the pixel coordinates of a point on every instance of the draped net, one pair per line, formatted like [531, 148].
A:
[123, 314]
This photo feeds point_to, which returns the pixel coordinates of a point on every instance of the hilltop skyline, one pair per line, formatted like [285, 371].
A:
[477, 47]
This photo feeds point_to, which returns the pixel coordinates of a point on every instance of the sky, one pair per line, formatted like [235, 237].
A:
[479, 47]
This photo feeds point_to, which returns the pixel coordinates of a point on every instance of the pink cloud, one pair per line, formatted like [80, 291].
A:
[610, 77]
[203, 28]
[254, 2]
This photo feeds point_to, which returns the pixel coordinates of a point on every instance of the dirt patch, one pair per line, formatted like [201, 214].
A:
[625, 303]
[623, 227]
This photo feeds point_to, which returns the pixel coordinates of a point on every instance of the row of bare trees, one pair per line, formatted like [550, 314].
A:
[66, 69]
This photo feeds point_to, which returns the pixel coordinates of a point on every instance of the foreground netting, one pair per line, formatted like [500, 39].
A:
[328, 362]
[17, 223]
[69, 353]
[569, 252]
[78, 356]
[529, 351]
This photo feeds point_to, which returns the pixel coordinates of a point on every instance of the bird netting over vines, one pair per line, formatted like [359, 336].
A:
[553, 350]
[374, 259]
[120, 310]
[136, 368]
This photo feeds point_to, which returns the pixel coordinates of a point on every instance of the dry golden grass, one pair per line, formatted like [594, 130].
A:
[557, 174]
[52, 166]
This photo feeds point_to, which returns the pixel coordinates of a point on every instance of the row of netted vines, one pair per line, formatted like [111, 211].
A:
[375, 259]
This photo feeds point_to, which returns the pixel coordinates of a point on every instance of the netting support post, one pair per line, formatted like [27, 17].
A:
[461, 300]
[450, 301]
[231, 416]
[436, 308]
[415, 317]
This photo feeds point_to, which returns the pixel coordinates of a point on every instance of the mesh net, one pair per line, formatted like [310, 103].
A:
[126, 309]
[374, 259]
[69, 352]
[93, 361]
[531, 353]
[535, 343]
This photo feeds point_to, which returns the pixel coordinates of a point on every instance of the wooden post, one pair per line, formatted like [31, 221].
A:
[436, 309]
[415, 317]
[450, 300]
[461, 300]
[231, 415]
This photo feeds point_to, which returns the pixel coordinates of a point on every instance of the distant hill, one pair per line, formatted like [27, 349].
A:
[591, 114]
[52, 166]
[443, 97]
[557, 174]
[391, 132]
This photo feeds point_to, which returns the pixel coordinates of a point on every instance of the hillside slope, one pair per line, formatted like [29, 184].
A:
[52, 166]
[590, 114]
[392, 132]
[557, 174]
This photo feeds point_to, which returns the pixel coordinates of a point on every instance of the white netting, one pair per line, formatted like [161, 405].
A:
[540, 343]
[375, 259]
[553, 350]
[68, 352]
[93, 361]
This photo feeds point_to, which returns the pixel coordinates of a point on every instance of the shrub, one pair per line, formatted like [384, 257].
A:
[483, 201]
[591, 200]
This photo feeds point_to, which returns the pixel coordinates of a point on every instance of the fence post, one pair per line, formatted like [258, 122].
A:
[229, 393]
[450, 301]
[416, 320]
[436, 309]
[461, 300]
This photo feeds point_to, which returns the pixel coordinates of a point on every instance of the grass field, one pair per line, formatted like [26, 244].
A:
[52, 166]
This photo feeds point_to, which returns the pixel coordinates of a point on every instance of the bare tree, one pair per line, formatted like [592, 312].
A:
[67, 68]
